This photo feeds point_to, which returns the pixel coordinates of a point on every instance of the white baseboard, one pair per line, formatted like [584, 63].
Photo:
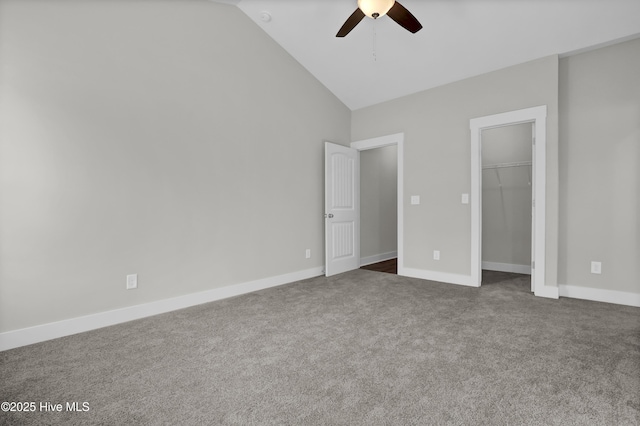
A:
[507, 267]
[600, 295]
[547, 291]
[364, 261]
[40, 333]
[443, 277]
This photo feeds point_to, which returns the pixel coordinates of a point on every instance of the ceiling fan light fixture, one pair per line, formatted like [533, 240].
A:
[375, 8]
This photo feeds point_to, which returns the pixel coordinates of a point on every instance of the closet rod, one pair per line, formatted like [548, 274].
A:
[503, 165]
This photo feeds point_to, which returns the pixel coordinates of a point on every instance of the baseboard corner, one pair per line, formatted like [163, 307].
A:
[548, 292]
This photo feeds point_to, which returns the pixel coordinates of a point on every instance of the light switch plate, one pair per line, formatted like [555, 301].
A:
[415, 199]
[596, 267]
[465, 198]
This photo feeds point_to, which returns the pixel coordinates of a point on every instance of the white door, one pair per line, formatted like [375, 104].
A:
[342, 209]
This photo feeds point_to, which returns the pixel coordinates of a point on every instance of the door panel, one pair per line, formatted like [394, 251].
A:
[342, 209]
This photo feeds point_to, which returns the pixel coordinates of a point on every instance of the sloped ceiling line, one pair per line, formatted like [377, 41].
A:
[460, 39]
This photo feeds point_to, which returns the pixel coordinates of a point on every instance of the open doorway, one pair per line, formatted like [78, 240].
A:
[506, 198]
[507, 204]
[378, 209]
[537, 117]
[381, 202]
[342, 202]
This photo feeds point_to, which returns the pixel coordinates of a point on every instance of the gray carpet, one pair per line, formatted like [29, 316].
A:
[361, 348]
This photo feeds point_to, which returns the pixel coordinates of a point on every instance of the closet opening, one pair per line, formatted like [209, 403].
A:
[507, 160]
[537, 117]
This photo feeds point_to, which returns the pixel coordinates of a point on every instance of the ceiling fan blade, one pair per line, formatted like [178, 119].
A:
[351, 23]
[403, 17]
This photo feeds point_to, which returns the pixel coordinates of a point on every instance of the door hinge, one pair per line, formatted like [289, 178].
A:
[533, 264]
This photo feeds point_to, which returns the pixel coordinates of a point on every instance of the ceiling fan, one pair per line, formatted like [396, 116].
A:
[375, 9]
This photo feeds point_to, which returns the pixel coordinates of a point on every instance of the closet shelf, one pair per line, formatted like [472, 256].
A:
[503, 165]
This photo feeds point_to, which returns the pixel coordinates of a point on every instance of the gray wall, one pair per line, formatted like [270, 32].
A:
[172, 139]
[600, 168]
[506, 195]
[437, 157]
[168, 139]
[378, 201]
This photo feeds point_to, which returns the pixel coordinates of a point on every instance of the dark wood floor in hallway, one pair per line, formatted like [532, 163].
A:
[389, 266]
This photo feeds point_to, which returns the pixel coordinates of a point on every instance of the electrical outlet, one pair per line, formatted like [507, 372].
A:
[436, 255]
[307, 254]
[596, 267]
[132, 281]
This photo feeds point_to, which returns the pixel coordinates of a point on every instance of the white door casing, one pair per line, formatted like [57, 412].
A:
[537, 116]
[396, 139]
[533, 207]
[342, 209]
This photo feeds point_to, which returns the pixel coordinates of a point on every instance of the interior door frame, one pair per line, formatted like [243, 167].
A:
[537, 116]
[379, 142]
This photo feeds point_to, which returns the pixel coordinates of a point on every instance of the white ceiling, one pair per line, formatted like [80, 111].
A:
[379, 60]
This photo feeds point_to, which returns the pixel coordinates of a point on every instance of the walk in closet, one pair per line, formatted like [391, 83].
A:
[506, 198]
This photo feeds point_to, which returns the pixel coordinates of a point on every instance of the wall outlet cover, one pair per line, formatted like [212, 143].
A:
[132, 281]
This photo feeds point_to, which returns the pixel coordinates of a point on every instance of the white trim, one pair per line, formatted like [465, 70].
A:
[548, 292]
[40, 333]
[507, 267]
[379, 142]
[537, 116]
[400, 214]
[364, 261]
[231, 2]
[443, 277]
[600, 295]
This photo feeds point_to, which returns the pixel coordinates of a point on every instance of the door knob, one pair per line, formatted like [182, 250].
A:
[330, 215]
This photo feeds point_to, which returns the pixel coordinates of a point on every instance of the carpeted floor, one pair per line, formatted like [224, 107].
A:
[361, 348]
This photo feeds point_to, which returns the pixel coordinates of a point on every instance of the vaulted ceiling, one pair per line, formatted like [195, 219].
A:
[379, 60]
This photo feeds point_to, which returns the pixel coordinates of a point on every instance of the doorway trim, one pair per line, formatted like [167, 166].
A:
[537, 116]
[379, 142]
